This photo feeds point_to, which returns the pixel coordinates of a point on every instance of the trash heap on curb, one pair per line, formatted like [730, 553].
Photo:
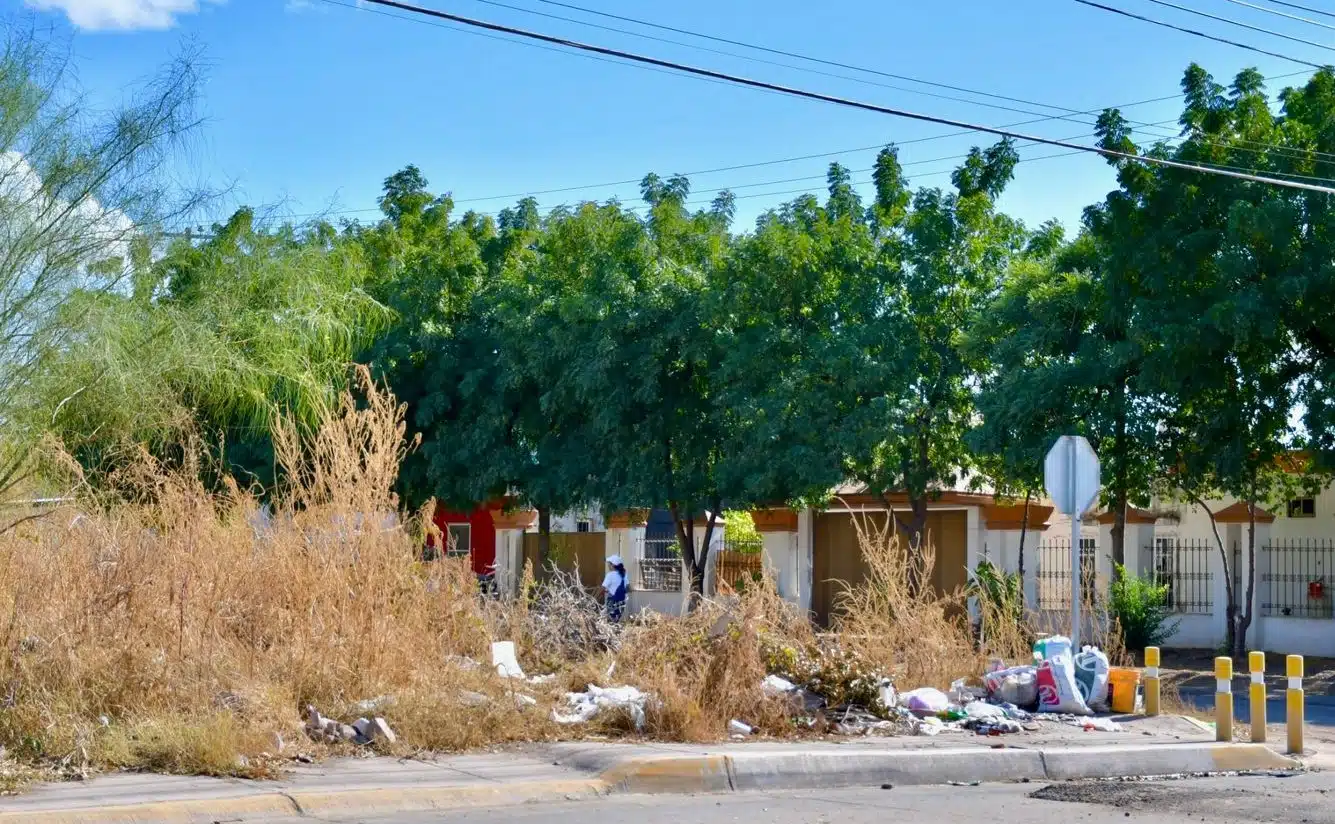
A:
[1060, 686]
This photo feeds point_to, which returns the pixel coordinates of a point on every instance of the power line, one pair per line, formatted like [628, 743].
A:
[1303, 8]
[1044, 118]
[784, 53]
[1186, 30]
[1241, 25]
[1279, 13]
[800, 56]
[863, 80]
[839, 101]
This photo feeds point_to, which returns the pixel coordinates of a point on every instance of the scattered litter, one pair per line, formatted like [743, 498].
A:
[473, 699]
[1000, 726]
[774, 686]
[538, 680]
[736, 727]
[1100, 724]
[984, 711]
[363, 731]
[966, 783]
[525, 700]
[462, 662]
[889, 699]
[584, 706]
[504, 660]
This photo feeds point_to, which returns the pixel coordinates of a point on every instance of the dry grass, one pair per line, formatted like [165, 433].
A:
[164, 630]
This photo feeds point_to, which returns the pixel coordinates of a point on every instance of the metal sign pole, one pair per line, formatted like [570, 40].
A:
[1075, 551]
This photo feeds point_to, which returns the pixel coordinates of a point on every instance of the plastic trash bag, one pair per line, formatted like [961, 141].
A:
[984, 710]
[1091, 677]
[925, 701]
[1016, 685]
[1057, 689]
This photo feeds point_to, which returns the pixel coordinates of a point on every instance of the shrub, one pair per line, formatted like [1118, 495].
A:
[1140, 607]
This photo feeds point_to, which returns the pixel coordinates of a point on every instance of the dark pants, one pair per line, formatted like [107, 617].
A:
[615, 609]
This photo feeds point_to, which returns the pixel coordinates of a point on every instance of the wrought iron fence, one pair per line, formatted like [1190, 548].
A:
[739, 564]
[1054, 572]
[1295, 577]
[659, 565]
[1183, 567]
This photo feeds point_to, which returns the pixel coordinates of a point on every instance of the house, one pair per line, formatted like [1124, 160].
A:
[1185, 549]
[816, 553]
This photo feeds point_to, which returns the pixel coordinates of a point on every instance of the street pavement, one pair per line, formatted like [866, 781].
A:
[1301, 799]
[1319, 712]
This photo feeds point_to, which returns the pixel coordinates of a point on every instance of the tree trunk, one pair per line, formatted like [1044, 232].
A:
[1231, 608]
[1120, 478]
[1245, 616]
[692, 564]
[1024, 530]
[544, 539]
[915, 532]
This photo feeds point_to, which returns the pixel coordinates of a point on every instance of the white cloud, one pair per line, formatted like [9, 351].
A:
[124, 15]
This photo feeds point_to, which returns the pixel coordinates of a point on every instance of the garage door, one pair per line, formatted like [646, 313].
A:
[838, 563]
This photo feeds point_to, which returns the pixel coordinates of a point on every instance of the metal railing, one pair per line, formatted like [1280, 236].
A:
[1183, 567]
[659, 565]
[1295, 578]
[1054, 572]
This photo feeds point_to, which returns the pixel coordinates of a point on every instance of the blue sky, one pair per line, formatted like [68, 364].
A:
[310, 105]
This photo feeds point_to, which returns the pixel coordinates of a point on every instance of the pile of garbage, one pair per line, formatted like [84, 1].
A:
[1061, 685]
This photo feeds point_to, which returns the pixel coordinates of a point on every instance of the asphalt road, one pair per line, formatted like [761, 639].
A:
[1301, 799]
[1319, 711]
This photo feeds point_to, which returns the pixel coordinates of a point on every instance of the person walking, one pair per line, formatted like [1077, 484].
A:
[615, 588]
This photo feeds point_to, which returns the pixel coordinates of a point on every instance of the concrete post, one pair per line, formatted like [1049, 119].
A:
[778, 532]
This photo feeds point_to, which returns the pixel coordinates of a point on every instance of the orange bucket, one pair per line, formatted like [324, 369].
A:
[1122, 684]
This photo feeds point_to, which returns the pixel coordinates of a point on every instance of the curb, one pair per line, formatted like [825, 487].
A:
[690, 774]
[306, 803]
[831, 770]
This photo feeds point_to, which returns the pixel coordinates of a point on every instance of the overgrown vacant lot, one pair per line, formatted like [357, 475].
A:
[162, 630]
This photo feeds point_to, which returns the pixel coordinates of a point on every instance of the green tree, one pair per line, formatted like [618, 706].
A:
[943, 256]
[217, 337]
[80, 190]
[1228, 356]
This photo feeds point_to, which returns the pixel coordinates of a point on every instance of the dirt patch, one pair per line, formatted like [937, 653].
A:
[1122, 795]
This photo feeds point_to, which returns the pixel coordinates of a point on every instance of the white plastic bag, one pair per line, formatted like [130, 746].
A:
[1057, 689]
[1091, 677]
[925, 701]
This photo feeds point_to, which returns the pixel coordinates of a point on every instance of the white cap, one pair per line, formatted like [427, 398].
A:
[615, 560]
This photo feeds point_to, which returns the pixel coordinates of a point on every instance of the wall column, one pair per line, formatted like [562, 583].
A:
[806, 532]
[510, 528]
[625, 537]
[778, 532]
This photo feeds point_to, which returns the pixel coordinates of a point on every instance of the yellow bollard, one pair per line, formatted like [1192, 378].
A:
[1294, 704]
[1152, 688]
[1223, 698]
[1256, 696]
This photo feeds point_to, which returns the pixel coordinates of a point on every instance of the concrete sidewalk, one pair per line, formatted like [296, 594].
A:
[586, 770]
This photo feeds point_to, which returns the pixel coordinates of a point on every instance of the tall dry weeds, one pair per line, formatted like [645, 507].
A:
[897, 620]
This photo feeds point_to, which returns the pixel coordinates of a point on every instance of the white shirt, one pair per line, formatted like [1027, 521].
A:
[612, 581]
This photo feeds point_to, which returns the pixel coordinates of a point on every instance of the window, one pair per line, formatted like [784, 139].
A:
[1302, 508]
[582, 526]
[460, 540]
